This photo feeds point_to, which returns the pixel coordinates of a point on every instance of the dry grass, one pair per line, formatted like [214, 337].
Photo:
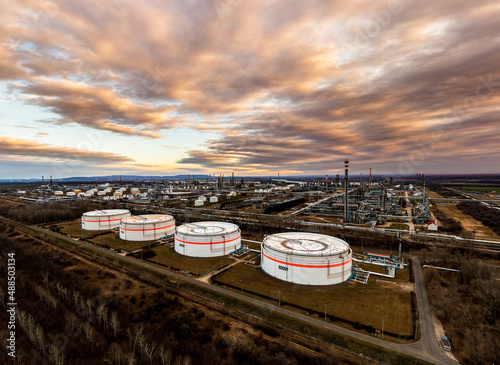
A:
[470, 224]
[112, 240]
[366, 304]
[73, 228]
[167, 256]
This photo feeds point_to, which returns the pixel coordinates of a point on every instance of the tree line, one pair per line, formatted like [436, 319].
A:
[488, 216]
[467, 303]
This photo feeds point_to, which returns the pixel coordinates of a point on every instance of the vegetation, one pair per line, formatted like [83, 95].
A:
[482, 188]
[350, 304]
[166, 256]
[50, 212]
[278, 207]
[448, 224]
[468, 305]
[487, 216]
[74, 312]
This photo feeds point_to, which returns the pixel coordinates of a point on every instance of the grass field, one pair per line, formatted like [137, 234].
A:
[366, 304]
[167, 256]
[72, 228]
[110, 239]
[481, 188]
[399, 226]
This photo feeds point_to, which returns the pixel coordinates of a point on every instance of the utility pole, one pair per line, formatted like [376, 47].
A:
[382, 329]
[325, 311]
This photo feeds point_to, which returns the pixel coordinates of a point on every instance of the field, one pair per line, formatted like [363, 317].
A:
[113, 241]
[470, 224]
[399, 226]
[381, 299]
[481, 188]
[73, 228]
[167, 256]
[179, 328]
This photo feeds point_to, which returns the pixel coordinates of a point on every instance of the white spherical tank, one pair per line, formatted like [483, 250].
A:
[147, 227]
[207, 239]
[100, 220]
[306, 258]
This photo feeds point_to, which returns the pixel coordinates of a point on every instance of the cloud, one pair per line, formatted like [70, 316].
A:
[288, 85]
[41, 134]
[23, 148]
[97, 107]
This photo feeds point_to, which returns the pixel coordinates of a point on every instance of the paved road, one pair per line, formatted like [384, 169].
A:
[427, 348]
[427, 345]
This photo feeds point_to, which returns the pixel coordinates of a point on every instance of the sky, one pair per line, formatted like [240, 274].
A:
[254, 87]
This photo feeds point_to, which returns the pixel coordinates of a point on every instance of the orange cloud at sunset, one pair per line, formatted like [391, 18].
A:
[290, 85]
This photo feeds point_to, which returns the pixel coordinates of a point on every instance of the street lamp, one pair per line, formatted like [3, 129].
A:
[382, 329]
[325, 311]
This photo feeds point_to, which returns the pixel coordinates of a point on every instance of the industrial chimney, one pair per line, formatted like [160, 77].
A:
[346, 195]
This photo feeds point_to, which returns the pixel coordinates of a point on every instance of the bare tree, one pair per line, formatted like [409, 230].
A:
[40, 337]
[116, 354]
[135, 335]
[56, 354]
[115, 323]
[71, 321]
[131, 360]
[100, 314]
[105, 317]
[149, 350]
[141, 340]
[90, 334]
[165, 354]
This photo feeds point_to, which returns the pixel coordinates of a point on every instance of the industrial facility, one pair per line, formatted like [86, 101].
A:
[207, 239]
[306, 258]
[147, 227]
[100, 220]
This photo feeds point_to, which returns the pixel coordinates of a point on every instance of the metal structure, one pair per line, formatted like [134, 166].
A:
[306, 258]
[100, 220]
[147, 227]
[207, 239]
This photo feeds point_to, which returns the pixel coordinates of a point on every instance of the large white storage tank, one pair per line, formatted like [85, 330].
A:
[147, 227]
[100, 220]
[207, 239]
[306, 258]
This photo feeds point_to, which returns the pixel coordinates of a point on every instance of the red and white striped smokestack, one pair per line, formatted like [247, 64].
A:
[346, 196]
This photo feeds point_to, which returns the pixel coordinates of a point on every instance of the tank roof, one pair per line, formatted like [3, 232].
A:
[307, 244]
[147, 218]
[100, 213]
[207, 228]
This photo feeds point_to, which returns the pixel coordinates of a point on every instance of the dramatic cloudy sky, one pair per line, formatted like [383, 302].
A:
[251, 86]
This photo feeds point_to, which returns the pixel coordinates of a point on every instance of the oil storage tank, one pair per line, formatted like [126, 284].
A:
[99, 220]
[147, 227]
[306, 258]
[207, 239]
